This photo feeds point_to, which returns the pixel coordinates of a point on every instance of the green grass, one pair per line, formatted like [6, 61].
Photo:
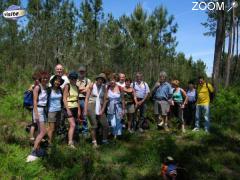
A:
[136, 156]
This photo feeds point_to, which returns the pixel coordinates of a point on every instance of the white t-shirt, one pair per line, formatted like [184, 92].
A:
[121, 84]
[141, 89]
[64, 77]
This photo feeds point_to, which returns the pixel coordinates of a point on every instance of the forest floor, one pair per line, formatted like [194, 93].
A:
[135, 156]
[214, 155]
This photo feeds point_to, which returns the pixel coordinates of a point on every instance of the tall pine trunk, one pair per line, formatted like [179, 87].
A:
[230, 49]
[219, 43]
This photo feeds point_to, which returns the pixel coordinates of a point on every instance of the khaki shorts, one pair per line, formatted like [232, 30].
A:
[161, 108]
[94, 119]
[130, 108]
[54, 116]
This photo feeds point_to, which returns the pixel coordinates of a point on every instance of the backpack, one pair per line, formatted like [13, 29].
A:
[154, 92]
[28, 98]
[211, 94]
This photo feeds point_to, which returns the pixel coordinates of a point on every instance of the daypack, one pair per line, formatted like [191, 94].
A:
[153, 95]
[211, 94]
[28, 98]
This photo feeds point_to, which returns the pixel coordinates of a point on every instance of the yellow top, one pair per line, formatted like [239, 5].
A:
[73, 97]
[203, 94]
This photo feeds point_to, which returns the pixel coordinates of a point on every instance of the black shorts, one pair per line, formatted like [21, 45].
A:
[74, 113]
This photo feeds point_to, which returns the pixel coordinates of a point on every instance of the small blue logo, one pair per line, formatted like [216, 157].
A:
[14, 12]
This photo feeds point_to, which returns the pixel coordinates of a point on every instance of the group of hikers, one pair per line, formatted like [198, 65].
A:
[107, 101]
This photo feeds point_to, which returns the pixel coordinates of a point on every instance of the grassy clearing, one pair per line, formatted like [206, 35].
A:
[137, 156]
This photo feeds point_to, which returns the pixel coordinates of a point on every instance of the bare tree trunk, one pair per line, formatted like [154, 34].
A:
[236, 59]
[230, 50]
[219, 43]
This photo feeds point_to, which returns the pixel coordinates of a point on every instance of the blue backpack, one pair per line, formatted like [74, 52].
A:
[28, 98]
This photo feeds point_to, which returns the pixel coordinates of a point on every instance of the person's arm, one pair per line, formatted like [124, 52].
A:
[210, 87]
[87, 99]
[147, 93]
[65, 96]
[185, 96]
[105, 101]
[170, 94]
[35, 102]
[123, 100]
[79, 112]
[134, 96]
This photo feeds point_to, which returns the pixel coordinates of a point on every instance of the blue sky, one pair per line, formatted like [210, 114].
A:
[190, 36]
[190, 31]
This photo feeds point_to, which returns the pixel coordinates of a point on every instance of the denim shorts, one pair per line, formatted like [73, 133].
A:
[42, 114]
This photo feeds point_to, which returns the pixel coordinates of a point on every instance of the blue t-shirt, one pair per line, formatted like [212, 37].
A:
[192, 95]
[163, 92]
[55, 100]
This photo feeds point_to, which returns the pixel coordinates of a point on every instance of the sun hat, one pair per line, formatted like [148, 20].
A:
[102, 76]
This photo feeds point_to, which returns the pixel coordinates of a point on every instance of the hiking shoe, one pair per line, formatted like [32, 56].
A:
[160, 124]
[166, 128]
[71, 145]
[206, 131]
[95, 146]
[141, 130]
[31, 158]
[195, 129]
[32, 139]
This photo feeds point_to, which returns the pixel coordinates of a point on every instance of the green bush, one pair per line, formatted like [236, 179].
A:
[226, 106]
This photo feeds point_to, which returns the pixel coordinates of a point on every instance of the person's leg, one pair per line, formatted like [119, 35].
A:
[142, 113]
[71, 121]
[164, 105]
[130, 116]
[93, 121]
[206, 117]
[84, 122]
[51, 129]
[135, 122]
[180, 116]
[197, 117]
[105, 127]
[118, 127]
[129, 119]
[113, 125]
[192, 114]
[32, 131]
[156, 112]
[40, 136]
